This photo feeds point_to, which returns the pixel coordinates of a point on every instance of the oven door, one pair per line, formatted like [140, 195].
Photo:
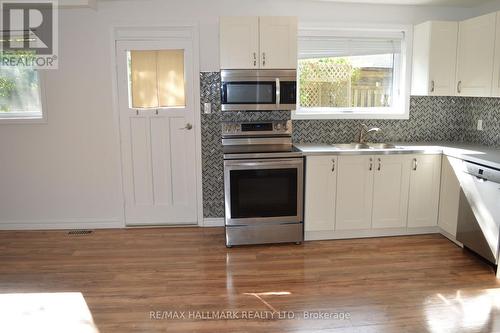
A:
[264, 191]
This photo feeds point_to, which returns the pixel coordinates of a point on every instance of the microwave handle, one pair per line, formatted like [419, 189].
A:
[278, 91]
[223, 93]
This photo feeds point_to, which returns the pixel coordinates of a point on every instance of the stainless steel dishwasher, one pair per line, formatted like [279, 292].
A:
[479, 210]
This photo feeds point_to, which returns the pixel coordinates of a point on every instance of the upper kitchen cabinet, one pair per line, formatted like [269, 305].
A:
[476, 46]
[239, 42]
[258, 42]
[434, 58]
[496, 65]
[278, 42]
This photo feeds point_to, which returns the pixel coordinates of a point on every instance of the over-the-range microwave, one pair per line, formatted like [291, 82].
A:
[258, 89]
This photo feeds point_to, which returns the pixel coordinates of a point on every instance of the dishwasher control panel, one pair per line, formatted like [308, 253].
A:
[483, 172]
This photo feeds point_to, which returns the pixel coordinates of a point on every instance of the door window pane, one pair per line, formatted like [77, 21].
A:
[156, 79]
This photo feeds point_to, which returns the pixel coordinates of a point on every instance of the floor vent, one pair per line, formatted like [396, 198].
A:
[79, 232]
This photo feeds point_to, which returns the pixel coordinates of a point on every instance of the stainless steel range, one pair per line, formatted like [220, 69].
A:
[263, 183]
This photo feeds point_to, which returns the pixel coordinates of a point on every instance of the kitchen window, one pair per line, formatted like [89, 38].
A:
[20, 94]
[353, 74]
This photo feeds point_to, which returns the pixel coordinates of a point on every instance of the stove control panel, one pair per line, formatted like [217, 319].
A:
[262, 128]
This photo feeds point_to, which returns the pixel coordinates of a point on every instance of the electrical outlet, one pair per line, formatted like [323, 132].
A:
[480, 125]
[207, 108]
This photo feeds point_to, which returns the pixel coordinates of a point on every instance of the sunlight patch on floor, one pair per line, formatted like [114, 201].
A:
[45, 312]
[476, 312]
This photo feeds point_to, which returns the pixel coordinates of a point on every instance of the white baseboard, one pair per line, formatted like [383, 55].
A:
[70, 223]
[450, 237]
[324, 235]
[213, 222]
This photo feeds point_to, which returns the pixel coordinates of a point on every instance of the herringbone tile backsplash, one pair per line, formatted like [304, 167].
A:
[448, 119]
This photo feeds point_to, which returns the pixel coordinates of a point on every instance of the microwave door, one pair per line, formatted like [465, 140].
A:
[249, 95]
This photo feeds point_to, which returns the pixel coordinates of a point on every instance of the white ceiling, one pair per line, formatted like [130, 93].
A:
[452, 3]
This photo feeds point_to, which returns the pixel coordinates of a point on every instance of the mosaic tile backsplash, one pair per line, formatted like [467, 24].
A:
[448, 119]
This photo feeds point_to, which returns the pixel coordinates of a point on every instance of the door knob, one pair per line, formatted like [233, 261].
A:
[187, 127]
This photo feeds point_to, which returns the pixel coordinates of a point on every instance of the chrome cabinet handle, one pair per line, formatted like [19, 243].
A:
[333, 165]
[379, 164]
[432, 86]
[187, 127]
[371, 164]
[459, 87]
[415, 164]
[255, 59]
[263, 58]
[278, 91]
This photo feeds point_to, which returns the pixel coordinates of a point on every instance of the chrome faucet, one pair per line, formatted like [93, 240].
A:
[364, 131]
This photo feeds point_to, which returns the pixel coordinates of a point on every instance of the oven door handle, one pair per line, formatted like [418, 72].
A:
[282, 163]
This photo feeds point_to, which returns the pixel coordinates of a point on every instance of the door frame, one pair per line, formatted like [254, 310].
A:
[188, 31]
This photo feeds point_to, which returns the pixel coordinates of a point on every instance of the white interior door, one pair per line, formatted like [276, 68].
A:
[157, 143]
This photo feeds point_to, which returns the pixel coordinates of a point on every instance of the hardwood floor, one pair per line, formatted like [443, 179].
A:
[399, 284]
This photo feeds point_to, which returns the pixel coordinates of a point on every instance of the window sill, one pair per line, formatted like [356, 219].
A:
[305, 115]
[22, 119]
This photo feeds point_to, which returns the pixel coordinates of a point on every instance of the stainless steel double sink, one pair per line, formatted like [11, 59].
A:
[367, 146]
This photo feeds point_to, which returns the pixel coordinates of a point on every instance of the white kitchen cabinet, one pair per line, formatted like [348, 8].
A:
[320, 192]
[476, 46]
[390, 191]
[354, 192]
[252, 42]
[434, 58]
[496, 62]
[239, 42]
[449, 197]
[278, 42]
[425, 179]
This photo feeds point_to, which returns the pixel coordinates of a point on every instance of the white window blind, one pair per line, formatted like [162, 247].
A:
[157, 79]
[341, 46]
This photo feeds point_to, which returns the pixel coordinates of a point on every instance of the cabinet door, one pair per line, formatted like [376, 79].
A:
[354, 192]
[278, 42]
[321, 186]
[496, 65]
[443, 58]
[239, 42]
[449, 197]
[390, 191]
[434, 58]
[476, 44]
[425, 181]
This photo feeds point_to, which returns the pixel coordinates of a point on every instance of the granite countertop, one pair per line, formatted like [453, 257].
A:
[488, 156]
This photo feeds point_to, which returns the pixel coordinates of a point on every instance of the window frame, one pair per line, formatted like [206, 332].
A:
[29, 117]
[402, 108]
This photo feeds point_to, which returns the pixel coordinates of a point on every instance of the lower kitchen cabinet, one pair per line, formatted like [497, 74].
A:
[425, 179]
[449, 197]
[350, 196]
[354, 192]
[390, 191]
[320, 191]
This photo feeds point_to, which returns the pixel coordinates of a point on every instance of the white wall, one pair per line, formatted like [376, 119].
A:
[67, 172]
